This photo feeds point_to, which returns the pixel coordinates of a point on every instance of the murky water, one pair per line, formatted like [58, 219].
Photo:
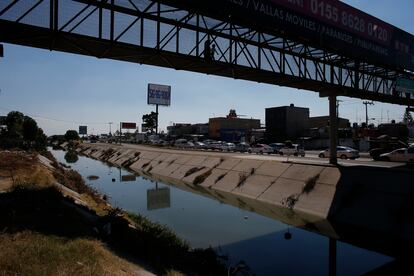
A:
[268, 246]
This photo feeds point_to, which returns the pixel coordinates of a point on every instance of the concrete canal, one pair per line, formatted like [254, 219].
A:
[267, 244]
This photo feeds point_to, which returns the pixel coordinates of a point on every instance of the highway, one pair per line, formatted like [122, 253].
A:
[310, 158]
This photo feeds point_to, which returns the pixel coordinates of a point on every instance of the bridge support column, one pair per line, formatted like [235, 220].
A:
[333, 129]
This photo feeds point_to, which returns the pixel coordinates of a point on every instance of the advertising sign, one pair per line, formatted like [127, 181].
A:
[158, 198]
[83, 130]
[128, 178]
[404, 85]
[159, 94]
[325, 24]
[125, 125]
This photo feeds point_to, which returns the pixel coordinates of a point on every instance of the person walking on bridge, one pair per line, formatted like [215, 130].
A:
[213, 51]
[207, 50]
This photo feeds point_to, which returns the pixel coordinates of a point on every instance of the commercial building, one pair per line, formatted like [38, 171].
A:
[323, 121]
[180, 130]
[232, 128]
[286, 123]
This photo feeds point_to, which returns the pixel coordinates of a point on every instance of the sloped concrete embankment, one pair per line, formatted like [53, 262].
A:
[308, 190]
[359, 204]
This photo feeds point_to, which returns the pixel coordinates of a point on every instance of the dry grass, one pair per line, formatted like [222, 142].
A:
[193, 170]
[30, 253]
[202, 177]
[310, 184]
[220, 177]
[24, 170]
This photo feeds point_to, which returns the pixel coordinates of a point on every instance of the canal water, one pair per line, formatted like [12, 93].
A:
[262, 243]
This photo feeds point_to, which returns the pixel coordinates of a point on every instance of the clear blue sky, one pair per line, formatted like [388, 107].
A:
[63, 90]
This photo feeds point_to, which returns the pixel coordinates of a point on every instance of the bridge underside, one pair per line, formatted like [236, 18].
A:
[146, 32]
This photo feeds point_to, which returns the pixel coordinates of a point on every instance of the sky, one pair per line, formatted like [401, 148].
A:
[62, 91]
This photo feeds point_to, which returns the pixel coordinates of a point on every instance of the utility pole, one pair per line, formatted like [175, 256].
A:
[366, 103]
[110, 128]
[156, 121]
[337, 111]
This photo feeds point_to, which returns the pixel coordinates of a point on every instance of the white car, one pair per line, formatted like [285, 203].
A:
[228, 147]
[216, 145]
[183, 143]
[293, 150]
[199, 145]
[260, 148]
[341, 152]
[399, 155]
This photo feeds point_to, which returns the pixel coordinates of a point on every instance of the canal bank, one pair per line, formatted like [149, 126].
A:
[372, 200]
[267, 243]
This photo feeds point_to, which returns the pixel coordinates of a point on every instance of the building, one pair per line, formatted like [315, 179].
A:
[231, 128]
[323, 121]
[400, 131]
[286, 123]
[181, 130]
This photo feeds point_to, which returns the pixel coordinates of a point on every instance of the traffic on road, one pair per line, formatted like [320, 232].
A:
[279, 151]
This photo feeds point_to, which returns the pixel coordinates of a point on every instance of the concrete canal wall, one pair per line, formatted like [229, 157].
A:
[369, 198]
[303, 188]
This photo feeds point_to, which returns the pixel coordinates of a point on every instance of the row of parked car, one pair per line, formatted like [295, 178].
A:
[398, 155]
[343, 152]
[274, 148]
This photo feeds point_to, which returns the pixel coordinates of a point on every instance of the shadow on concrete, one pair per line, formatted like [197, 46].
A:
[373, 208]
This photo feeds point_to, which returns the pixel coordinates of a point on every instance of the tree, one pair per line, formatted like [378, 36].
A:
[408, 119]
[29, 129]
[150, 121]
[71, 135]
[22, 132]
[71, 157]
[41, 140]
[14, 123]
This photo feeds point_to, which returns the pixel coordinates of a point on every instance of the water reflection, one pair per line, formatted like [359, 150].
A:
[71, 157]
[241, 229]
[158, 198]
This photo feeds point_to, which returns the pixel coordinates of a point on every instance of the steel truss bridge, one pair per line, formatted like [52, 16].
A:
[149, 32]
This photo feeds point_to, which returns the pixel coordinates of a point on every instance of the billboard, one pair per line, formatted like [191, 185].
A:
[325, 24]
[404, 85]
[128, 178]
[158, 198]
[159, 94]
[125, 125]
[83, 130]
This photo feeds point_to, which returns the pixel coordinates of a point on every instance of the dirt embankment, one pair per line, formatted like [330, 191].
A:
[53, 223]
